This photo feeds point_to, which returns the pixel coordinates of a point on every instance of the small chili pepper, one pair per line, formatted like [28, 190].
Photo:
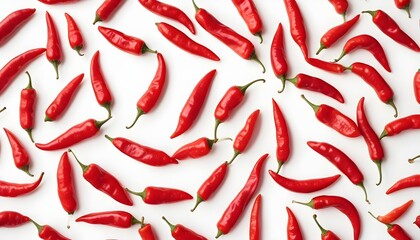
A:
[107, 8]
[100, 88]
[341, 161]
[20, 155]
[395, 230]
[340, 7]
[335, 33]
[75, 37]
[334, 119]
[400, 125]
[161, 195]
[58, 106]
[395, 213]
[144, 154]
[278, 57]
[324, 65]
[12, 219]
[180, 232]
[293, 228]
[8, 189]
[65, 185]
[249, 14]
[407, 182]
[194, 149]
[416, 85]
[54, 52]
[403, 4]
[27, 108]
[325, 234]
[12, 22]
[73, 135]
[239, 44]
[146, 231]
[118, 219]
[232, 98]
[368, 43]
[48, 233]
[303, 186]
[388, 26]
[105, 182]
[235, 209]
[417, 221]
[149, 99]
[341, 204]
[255, 220]
[297, 25]
[194, 103]
[211, 184]
[56, 1]
[282, 136]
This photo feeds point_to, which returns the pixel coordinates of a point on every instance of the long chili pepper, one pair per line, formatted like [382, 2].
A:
[416, 85]
[340, 7]
[395, 213]
[395, 230]
[20, 155]
[376, 151]
[293, 228]
[388, 26]
[161, 195]
[282, 136]
[47, 232]
[195, 149]
[334, 119]
[235, 209]
[325, 234]
[118, 219]
[403, 4]
[12, 22]
[255, 220]
[150, 98]
[327, 66]
[12, 219]
[232, 98]
[194, 103]
[297, 25]
[341, 161]
[144, 154]
[100, 88]
[73, 135]
[8, 189]
[417, 221]
[249, 14]
[107, 8]
[54, 52]
[168, 11]
[403, 183]
[27, 108]
[335, 33]
[341, 204]
[239, 44]
[65, 185]
[277, 55]
[180, 232]
[105, 182]
[75, 37]
[368, 43]
[303, 186]
[146, 231]
[56, 1]
[400, 125]
[60, 103]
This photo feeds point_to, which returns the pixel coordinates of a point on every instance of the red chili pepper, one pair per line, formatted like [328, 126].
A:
[341, 204]
[168, 11]
[8, 189]
[144, 154]
[27, 108]
[297, 26]
[282, 136]
[235, 209]
[56, 1]
[417, 221]
[239, 44]
[303, 186]
[395, 213]
[335, 33]
[118, 219]
[334, 119]
[48, 233]
[249, 14]
[340, 7]
[194, 149]
[105, 182]
[58, 106]
[54, 52]
[12, 219]
[400, 125]
[75, 37]
[327, 66]
[100, 88]
[293, 229]
[180, 232]
[149, 99]
[325, 234]
[403, 4]
[341, 161]
[416, 85]
[20, 155]
[146, 231]
[395, 231]
[368, 43]
[255, 220]
[12, 22]
[14, 66]
[407, 182]
[211, 184]
[388, 26]
[193, 106]
[161, 195]
[277, 55]
[65, 185]
[106, 9]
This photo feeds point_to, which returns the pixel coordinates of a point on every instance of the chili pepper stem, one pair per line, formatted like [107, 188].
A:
[235, 154]
[84, 167]
[279, 166]
[344, 16]
[26, 170]
[107, 106]
[343, 53]
[29, 86]
[140, 194]
[283, 81]
[109, 138]
[100, 123]
[387, 224]
[383, 134]
[29, 131]
[1, 110]
[314, 107]
[365, 192]
[372, 13]
[47, 119]
[309, 204]
[245, 87]
[170, 224]
[55, 64]
[391, 102]
[216, 125]
[77, 49]
[321, 47]
[145, 49]
[255, 58]
[142, 222]
[39, 227]
[411, 160]
[195, 6]
[136, 221]
[97, 19]
[323, 231]
[258, 34]
[139, 113]
[407, 9]
[199, 200]
[219, 233]
[379, 165]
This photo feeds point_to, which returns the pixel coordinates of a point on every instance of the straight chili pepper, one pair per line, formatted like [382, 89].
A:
[54, 52]
[340, 7]
[395, 230]
[194, 103]
[235, 209]
[293, 228]
[27, 108]
[12, 22]
[249, 14]
[100, 88]
[161, 195]
[105, 11]
[324, 65]
[403, 4]
[194, 149]
[325, 234]
[12, 219]
[56, 1]
[388, 26]
[395, 213]
[282, 136]
[20, 155]
[180, 232]
[255, 220]
[277, 55]
[416, 85]
[417, 221]
[297, 26]
[75, 37]
[8, 189]
[400, 125]
[407, 182]
[146, 231]
[65, 185]
[118, 219]
[47, 232]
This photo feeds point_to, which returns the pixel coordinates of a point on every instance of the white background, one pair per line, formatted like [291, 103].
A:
[128, 76]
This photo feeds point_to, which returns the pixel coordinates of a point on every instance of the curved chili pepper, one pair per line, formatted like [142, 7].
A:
[325, 234]
[118, 219]
[255, 219]
[149, 99]
[146, 231]
[400, 125]
[293, 229]
[106, 9]
[239, 44]
[27, 108]
[416, 85]
[278, 57]
[161, 195]
[63, 99]
[340, 7]
[388, 26]
[180, 232]
[8, 189]
[193, 106]
[75, 37]
[335, 33]
[324, 65]
[12, 22]
[144, 154]
[417, 221]
[282, 136]
[334, 119]
[168, 11]
[403, 4]
[407, 182]
[100, 88]
[297, 26]
[304, 186]
[54, 52]
[12, 219]
[395, 213]
[56, 1]
[341, 161]
[395, 230]
[235, 209]
[47, 232]
[20, 155]
[368, 43]
[249, 14]
[65, 185]
[194, 149]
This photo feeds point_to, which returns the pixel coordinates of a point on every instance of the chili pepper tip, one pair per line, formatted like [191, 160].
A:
[1, 110]
[323, 231]
[364, 191]
[26, 170]
[314, 107]
[139, 113]
[379, 165]
[255, 58]
[219, 233]
[97, 19]
[321, 47]
[170, 224]
[383, 134]
[411, 160]
[199, 200]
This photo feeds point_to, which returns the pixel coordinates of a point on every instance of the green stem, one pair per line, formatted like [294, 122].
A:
[391, 102]
[140, 194]
[195, 6]
[170, 224]
[411, 160]
[323, 231]
[136, 221]
[407, 9]
[344, 16]
[364, 190]
[109, 138]
[383, 134]
[100, 123]
[280, 164]
[283, 81]
[199, 200]
[39, 227]
[26, 170]
[258, 34]
[145, 49]
[107, 106]
[55, 64]
[387, 224]
[97, 19]
[343, 53]
[29, 131]
[139, 113]
[321, 47]
[1, 110]
[29, 86]
[77, 49]
[372, 13]
[84, 167]
[216, 125]
[219, 233]
[314, 107]
[309, 204]
[255, 58]
[379, 165]
[246, 86]
[235, 154]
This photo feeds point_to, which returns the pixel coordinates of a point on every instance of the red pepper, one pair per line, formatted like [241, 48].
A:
[388, 26]
[277, 55]
[194, 149]
[293, 229]
[105, 182]
[403, 4]
[416, 85]
[74, 35]
[235, 209]
[249, 14]
[146, 231]
[144, 154]
[65, 185]
[340, 7]
[417, 221]
[168, 11]
[12, 22]
[400, 125]
[407, 182]
[8, 189]
[12, 219]
[54, 52]
[255, 219]
[395, 231]
[325, 234]
[63, 99]
[149, 99]
[161, 195]
[327, 66]
[47, 232]
[100, 88]
[106, 9]
[395, 213]
[297, 26]
[180, 232]
[20, 155]
[194, 103]
[27, 108]
[118, 219]
[282, 136]
[56, 1]
[304, 186]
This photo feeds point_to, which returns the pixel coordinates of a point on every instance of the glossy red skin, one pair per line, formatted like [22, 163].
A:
[337, 121]
[395, 213]
[282, 134]
[146, 232]
[12, 22]
[194, 149]
[232, 98]
[122, 41]
[416, 85]
[20, 155]
[8, 189]
[100, 88]
[277, 54]
[12, 219]
[304, 81]
[293, 229]
[213, 182]
[335, 33]
[417, 222]
[398, 233]
[118, 219]
[107, 8]
[27, 108]
[407, 182]
[75, 37]
[249, 14]
[340, 6]
[56, 1]
[245, 134]
[402, 124]
[401, 4]
[329, 235]
[324, 65]
[54, 52]
[255, 220]
[65, 185]
[49, 233]
[297, 26]
[160, 195]
[181, 232]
